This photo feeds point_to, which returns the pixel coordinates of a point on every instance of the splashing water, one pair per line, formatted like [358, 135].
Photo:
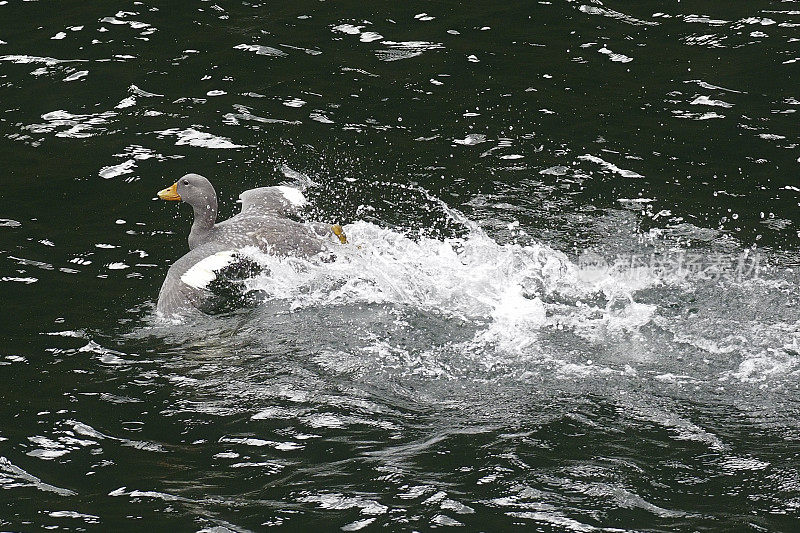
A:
[465, 305]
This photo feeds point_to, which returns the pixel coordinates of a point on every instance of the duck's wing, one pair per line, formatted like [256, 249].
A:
[280, 200]
[181, 293]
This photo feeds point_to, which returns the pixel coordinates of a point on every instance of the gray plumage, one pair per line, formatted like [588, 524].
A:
[262, 223]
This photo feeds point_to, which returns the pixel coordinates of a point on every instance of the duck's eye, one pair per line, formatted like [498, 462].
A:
[186, 182]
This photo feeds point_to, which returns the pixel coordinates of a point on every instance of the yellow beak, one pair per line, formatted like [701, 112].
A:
[170, 193]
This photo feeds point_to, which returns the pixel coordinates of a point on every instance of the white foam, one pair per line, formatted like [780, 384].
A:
[77, 75]
[92, 519]
[113, 171]
[338, 501]
[126, 102]
[205, 271]
[261, 50]
[80, 126]
[293, 196]
[193, 137]
[619, 58]
[764, 366]
[295, 102]
[369, 36]
[16, 279]
[499, 288]
[49, 61]
[348, 28]
[705, 100]
[515, 319]
[610, 166]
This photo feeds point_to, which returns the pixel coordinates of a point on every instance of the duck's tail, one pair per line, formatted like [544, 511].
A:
[339, 232]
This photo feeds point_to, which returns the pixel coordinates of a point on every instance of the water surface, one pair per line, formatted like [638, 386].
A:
[516, 336]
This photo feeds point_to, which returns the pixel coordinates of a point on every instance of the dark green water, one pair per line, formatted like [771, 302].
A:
[465, 366]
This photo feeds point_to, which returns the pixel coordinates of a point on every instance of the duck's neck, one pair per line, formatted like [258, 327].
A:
[205, 214]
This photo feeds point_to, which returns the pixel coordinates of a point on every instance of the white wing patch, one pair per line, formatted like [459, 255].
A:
[205, 271]
[293, 196]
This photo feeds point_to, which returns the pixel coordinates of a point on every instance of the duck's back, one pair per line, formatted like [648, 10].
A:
[271, 234]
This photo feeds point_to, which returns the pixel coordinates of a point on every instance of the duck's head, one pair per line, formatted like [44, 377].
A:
[193, 189]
